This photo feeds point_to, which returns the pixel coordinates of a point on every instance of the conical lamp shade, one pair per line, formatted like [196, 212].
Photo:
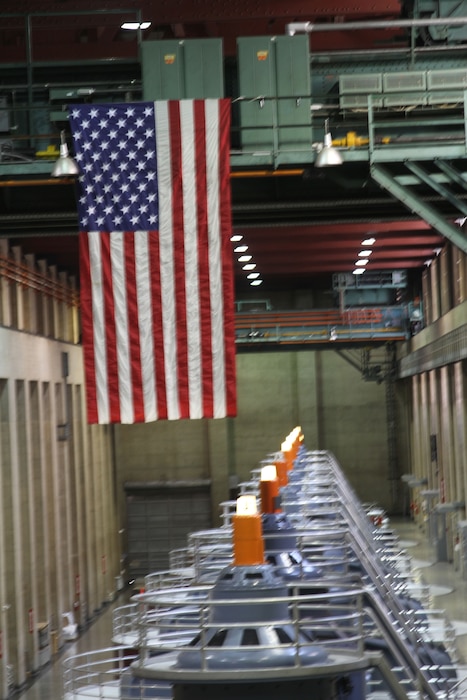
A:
[328, 155]
[65, 165]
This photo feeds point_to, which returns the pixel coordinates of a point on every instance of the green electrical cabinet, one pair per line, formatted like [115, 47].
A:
[274, 83]
[186, 69]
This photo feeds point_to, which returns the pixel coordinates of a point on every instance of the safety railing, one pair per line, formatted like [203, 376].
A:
[318, 326]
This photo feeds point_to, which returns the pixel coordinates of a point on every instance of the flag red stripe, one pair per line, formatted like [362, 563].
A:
[157, 326]
[179, 259]
[87, 327]
[133, 328]
[191, 383]
[110, 331]
[203, 261]
[227, 258]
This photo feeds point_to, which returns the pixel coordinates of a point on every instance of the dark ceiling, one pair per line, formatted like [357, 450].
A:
[300, 226]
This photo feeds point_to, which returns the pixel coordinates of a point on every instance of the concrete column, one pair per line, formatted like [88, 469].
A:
[458, 276]
[18, 573]
[30, 562]
[5, 289]
[445, 279]
[73, 592]
[75, 330]
[435, 300]
[45, 304]
[57, 521]
[45, 532]
[92, 465]
[62, 308]
[31, 298]
[434, 431]
[426, 297]
[427, 466]
[447, 452]
[63, 505]
[460, 429]
[79, 470]
[55, 307]
[308, 414]
[5, 527]
[39, 556]
[20, 293]
[446, 432]
[417, 445]
[111, 521]
[64, 439]
[218, 462]
[113, 529]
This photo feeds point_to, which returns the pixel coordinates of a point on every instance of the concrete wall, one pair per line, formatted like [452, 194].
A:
[318, 390]
[59, 541]
[438, 402]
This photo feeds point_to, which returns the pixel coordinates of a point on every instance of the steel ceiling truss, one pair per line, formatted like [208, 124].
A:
[427, 211]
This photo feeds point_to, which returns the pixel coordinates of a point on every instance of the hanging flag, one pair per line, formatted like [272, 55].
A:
[156, 261]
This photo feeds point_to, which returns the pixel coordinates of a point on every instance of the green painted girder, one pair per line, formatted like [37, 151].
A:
[425, 177]
[426, 151]
[35, 167]
[452, 173]
[423, 209]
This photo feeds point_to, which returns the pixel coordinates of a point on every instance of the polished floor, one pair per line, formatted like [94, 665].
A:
[447, 590]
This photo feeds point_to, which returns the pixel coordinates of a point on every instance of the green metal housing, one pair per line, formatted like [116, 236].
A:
[188, 69]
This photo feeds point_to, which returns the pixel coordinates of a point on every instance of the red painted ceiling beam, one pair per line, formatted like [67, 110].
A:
[317, 267]
[311, 247]
[370, 228]
[303, 256]
[214, 10]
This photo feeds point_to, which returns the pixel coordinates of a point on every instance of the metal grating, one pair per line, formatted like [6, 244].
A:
[445, 97]
[406, 81]
[360, 84]
[402, 99]
[358, 101]
[441, 79]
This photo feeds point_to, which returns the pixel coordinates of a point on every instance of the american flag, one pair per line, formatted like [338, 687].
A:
[155, 259]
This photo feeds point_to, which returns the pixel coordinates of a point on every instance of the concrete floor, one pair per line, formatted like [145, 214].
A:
[447, 590]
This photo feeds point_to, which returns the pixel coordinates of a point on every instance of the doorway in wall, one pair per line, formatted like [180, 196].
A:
[159, 521]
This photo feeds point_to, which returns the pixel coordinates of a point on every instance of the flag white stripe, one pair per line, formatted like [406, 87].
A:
[100, 357]
[164, 179]
[215, 258]
[117, 259]
[191, 258]
[143, 293]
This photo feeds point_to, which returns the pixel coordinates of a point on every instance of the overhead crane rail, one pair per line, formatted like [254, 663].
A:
[322, 325]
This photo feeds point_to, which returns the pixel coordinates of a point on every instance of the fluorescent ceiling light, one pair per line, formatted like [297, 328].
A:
[241, 249]
[358, 271]
[252, 275]
[236, 237]
[365, 253]
[245, 258]
[249, 266]
[135, 25]
[256, 283]
[361, 262]
[369, 241]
